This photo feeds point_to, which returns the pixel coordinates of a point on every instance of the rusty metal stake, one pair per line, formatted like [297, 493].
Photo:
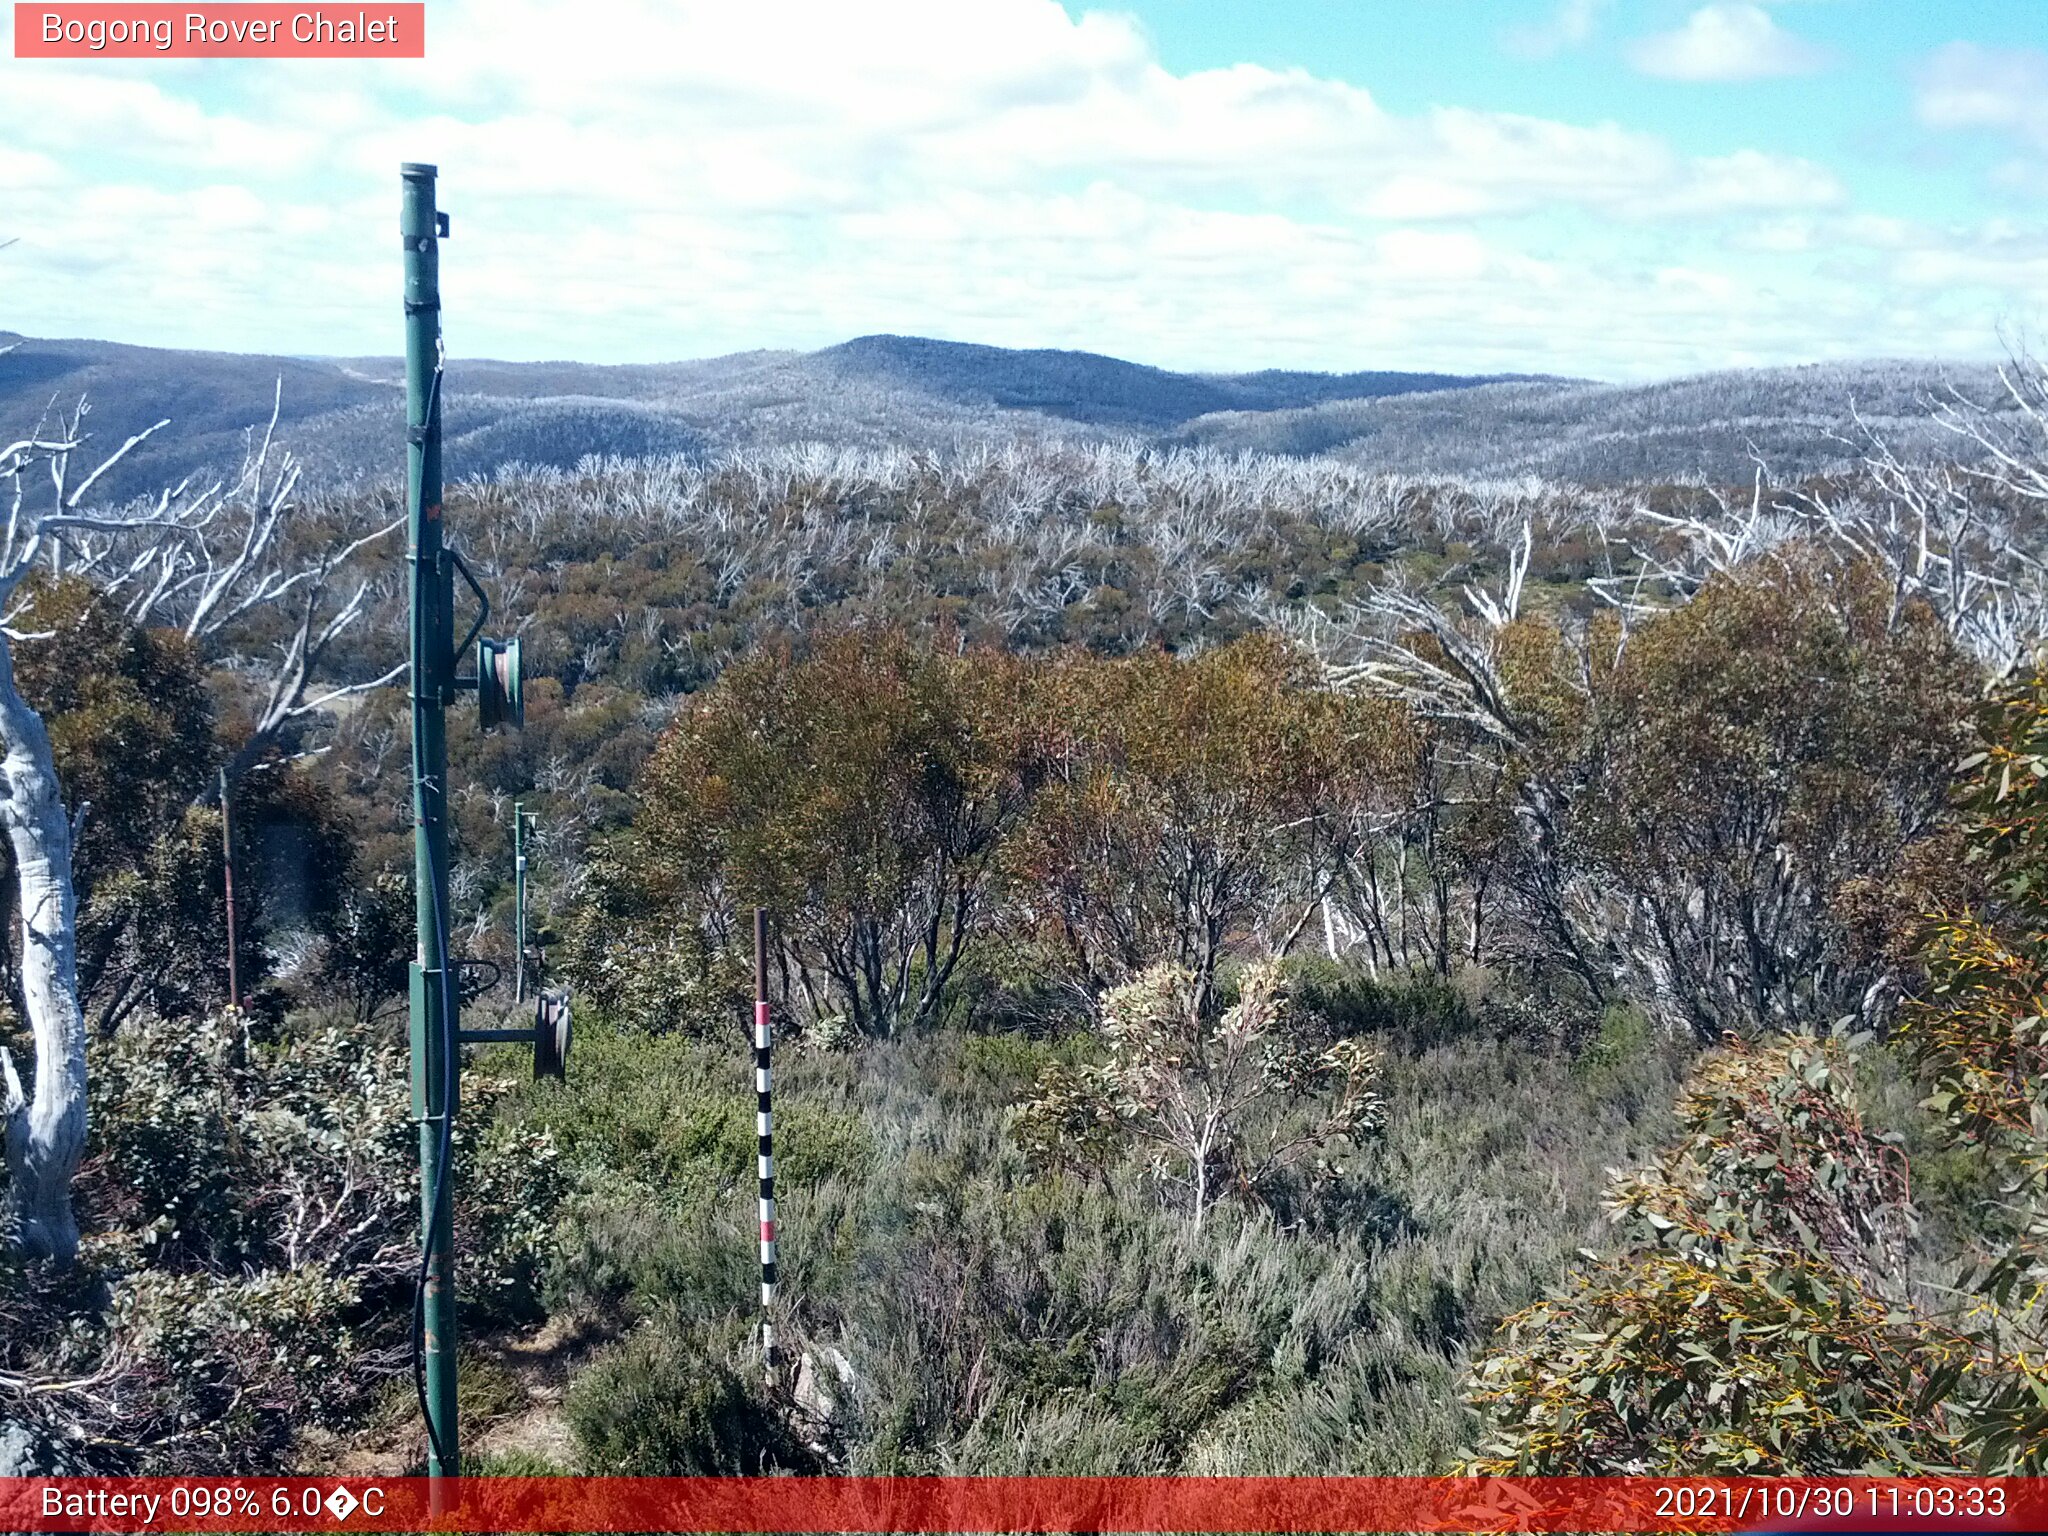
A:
[227, 864]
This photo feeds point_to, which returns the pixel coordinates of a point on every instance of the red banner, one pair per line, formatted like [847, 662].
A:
[1002, 1504]
[215, 31]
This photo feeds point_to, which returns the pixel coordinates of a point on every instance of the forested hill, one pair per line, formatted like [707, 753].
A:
[1796, 420]
[342, 415]
[1103, 391]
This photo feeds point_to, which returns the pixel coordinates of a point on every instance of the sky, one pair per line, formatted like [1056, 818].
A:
[1620, 189]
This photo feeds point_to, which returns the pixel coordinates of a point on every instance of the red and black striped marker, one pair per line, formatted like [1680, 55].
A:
[764, 1129]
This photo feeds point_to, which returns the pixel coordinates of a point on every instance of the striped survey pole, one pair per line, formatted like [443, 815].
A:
[764, 1128]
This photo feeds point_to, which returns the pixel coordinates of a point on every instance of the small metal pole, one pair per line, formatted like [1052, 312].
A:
[227, 865]
[764, 1126]
[519, 901]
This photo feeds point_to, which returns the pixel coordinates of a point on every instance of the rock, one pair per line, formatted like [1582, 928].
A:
[24, 1453]
[810, 1397]
[842, 1365]
[811, 1393]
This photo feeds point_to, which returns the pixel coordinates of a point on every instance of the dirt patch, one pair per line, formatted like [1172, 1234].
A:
[512, 1388]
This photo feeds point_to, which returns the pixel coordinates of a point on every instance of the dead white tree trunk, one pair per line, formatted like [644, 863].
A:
[45, 1123]
[45, 1135]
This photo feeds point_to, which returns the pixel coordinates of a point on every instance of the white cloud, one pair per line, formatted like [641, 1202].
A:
[1569, 26]
[20, 168]
[672, 178]
[1726, 41]
[1435, 254]
[1996, 254]
[1967, 86]
[1749, 179]
[804, 104]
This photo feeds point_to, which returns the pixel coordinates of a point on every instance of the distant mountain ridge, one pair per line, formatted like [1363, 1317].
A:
[1107, 391]
[1719, 426]
[343, 416]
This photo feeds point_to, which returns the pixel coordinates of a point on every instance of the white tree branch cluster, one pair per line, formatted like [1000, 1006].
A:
[1961, 534]
[205, 558]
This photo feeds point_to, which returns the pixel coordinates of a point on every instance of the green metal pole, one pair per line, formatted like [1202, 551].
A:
[434, 1021]
[519, 900]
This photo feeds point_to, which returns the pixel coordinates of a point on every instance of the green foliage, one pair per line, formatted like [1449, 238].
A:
[1988, 967]
[295, 850]
[632, 956]
[1006, 983]
[369, 944]
[253, 1213]
[672, 1402]
[1187, 801]
[981, 840]
[511, 1463]
[997, 1320]
[1744, 1325]
[862, 791]
[681, 1115]
[1145, 806]
[1763, 1314]
[154, 937]
[1006, 1059]
[1723, 778]
[133, 735]
[1625, 1035]
[217, 1151]
[1978, 1036]
[974, 836]
[131, 726]
[1345, 999]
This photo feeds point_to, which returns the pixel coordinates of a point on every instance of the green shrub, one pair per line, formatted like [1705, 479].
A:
[1010, 986]
[511, 1463]
[672, 1402]
[1624, 1036]
[1232, 1101]
[252, 1212]
[1008, 1060]
[1348, 1000]
[996, 1322]
[369, 939]
[1750, 1323]
[645, 968]
[678, 1115]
